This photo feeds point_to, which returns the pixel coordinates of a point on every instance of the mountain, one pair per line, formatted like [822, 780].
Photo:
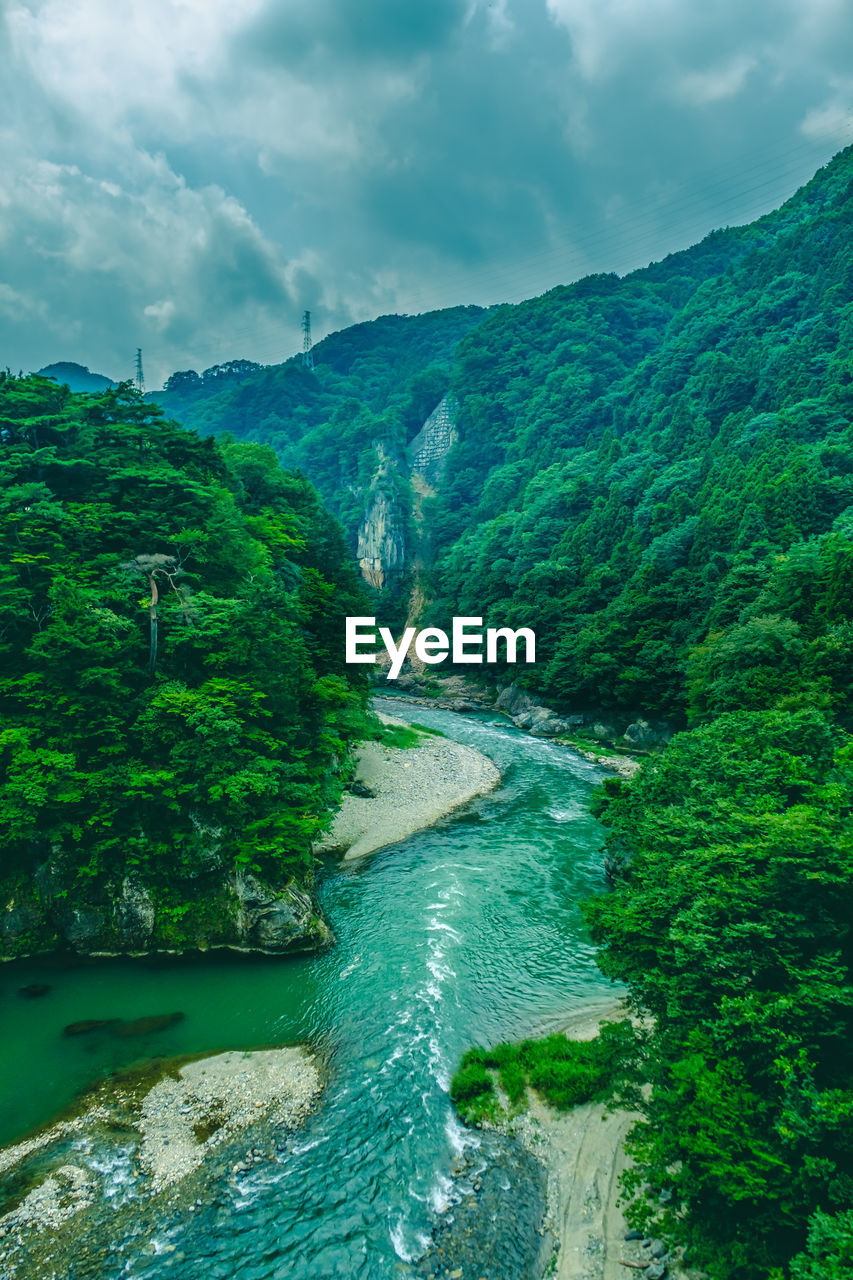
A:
[635, 454]
[76, 377]
[345, 424]
[656, 474]
[599, 465]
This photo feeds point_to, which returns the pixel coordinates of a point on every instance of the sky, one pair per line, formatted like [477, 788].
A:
[188, 176]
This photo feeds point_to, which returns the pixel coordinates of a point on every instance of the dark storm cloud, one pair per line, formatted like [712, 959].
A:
[192, 194]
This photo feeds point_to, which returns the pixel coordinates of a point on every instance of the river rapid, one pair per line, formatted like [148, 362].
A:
[469, 932]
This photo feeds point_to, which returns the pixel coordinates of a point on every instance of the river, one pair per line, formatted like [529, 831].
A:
[469, 932]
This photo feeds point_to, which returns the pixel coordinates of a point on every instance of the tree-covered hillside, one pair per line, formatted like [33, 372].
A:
[175, 706]
[657, 474]
[635, 453]
[373, 383]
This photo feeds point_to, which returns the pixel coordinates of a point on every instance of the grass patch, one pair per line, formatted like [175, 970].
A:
[403, 736]
[563, 1072]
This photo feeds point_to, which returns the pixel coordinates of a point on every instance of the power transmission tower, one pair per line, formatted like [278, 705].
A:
[307, 353]
[139, 379]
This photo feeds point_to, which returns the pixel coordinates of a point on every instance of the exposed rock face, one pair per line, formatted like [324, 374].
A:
[134, 913]
[279, 920]
[430, 447]
[381, 538]
[50, 909]
[383, 551]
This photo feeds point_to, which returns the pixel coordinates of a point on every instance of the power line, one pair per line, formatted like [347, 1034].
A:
[569, 257]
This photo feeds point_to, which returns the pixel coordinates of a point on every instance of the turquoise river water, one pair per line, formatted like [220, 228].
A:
[469, 932]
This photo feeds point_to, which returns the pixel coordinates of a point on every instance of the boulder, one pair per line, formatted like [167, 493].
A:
[513, 701]
[146, 1026]
[34, 990]
[643, 734]
[88, 1025]
[81, 925]
[277, 920]
[134, 914]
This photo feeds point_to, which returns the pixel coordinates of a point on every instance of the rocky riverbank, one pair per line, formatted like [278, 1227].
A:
[51, 909]
[611, 742]
[582, 1152]
[398, 792]
[144, 1144]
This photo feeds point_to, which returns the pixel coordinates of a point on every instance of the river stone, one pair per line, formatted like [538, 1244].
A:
[277, 920]
[643, 735]
[86, 1025]
[496, 1235]
[34, 990]
[655, 1271]
[513, 700]
[144, 1026]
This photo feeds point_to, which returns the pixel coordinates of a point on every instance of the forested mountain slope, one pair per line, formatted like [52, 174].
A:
[175, 706]
[372, 384]
[672, 508]
[634, 454]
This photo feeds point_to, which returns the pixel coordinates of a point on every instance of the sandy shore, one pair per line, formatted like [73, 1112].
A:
[584, 1153]
[411, 789]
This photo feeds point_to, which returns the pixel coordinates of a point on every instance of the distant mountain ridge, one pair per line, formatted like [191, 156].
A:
[76, 376]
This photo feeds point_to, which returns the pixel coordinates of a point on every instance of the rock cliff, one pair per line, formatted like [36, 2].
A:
[382, 550]
[430, 447]
[388, 530]
[52, 909]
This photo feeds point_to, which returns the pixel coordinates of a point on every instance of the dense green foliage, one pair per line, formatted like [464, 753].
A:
[371, 388]
[563, 1072]
[635, 453]
[138, 738]
[657, 474]
[731, 922]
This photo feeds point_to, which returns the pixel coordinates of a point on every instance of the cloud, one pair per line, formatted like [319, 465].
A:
[187, 175]
[832, 121]
[603, 31]
[724, 81]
